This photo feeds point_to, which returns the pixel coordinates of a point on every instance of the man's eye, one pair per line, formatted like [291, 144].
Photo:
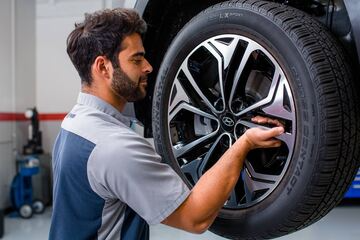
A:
[137, 61]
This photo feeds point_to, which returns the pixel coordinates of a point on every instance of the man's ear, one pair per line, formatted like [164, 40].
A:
[102, 67]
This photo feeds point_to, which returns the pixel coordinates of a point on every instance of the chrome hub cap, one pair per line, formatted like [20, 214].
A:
[227, 122]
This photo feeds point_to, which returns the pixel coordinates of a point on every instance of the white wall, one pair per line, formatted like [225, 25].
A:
[6, 102]
[24, 64]
[57, 81]
[17, 81]
[6, 57]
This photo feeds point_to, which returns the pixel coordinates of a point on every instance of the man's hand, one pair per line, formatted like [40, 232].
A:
[260, 138]
[266, 120]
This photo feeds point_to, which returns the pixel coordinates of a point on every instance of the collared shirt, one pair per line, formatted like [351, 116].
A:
[109, 182]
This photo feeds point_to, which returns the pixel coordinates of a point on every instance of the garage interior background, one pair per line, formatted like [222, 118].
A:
[36, 72]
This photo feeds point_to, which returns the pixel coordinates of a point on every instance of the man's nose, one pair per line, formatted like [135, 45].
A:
[148, 68]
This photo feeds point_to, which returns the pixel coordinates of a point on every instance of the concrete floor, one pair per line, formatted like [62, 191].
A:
[342, 223]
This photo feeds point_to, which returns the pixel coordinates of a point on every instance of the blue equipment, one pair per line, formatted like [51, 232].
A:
[21, 188]
[28, 166]
[354, 190]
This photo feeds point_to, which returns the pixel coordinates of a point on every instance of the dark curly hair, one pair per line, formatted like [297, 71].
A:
[101, 34]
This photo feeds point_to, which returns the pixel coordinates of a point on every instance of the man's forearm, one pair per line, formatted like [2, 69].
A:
[211, 191]
[215, 186]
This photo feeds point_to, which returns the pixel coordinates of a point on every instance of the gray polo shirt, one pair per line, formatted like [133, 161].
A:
[109, 182]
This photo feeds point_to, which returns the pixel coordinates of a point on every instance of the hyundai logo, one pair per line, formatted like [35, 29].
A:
[228, 121]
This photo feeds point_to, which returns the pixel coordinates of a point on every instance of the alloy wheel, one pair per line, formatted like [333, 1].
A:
[221, 84]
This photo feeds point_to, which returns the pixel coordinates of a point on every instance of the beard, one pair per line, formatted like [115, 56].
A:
[123, 86]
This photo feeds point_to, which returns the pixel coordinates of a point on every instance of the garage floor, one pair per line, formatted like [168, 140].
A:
[341, 223]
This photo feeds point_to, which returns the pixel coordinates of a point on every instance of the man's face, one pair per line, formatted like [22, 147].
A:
[130, 79]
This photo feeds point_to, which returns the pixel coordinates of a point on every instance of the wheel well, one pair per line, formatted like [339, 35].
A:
[165, 18]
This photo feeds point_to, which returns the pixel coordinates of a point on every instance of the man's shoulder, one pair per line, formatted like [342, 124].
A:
[93, 125]
[123, 148]
[125, 139]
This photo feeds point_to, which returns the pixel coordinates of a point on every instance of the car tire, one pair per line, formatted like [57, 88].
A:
[203, 84]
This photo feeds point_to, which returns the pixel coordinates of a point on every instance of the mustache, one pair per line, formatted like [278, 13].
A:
[142, 79]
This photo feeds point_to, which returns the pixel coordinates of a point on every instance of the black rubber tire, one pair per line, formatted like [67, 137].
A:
[326, 154]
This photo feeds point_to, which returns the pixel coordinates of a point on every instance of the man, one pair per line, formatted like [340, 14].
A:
[108, 181]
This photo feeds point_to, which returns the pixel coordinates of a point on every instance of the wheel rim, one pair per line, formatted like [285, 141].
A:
[220, 85]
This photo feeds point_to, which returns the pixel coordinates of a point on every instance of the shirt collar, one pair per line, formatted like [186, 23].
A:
[101, 105]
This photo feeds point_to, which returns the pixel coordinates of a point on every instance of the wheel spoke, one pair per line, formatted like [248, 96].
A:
[191, 169]
[261, 177]
[253, 185]
[190, 108]
[226, 49]
[212, 49]
[178, 95]
[195, 86]
[277, 103]
[280, 99]
[180, 150]
[214, 153]
[233, 199]
[223, 51]
[247, 190]
[251, 47]
[269, 97]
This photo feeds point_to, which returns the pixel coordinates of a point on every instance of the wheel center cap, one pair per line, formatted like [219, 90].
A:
[227, 122]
